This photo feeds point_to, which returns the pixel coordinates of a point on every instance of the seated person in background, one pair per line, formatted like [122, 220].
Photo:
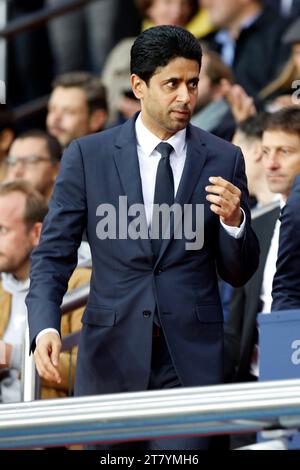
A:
[248, 40]
[213, 112]
[35, 157]
[281, 163]
[77, 106]
[248, 136]
[283, 90]
[22, 211]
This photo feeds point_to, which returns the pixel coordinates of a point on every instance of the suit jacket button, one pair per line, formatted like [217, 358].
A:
[147, 313]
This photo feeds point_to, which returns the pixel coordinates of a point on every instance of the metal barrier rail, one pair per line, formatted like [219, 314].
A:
[145, 415]
[33, 20]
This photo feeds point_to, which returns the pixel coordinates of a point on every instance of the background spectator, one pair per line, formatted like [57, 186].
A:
[6, 137]
[213, 112]
[248, 40]
[35, 157]
[22, 210]
[281, 89]
[248, 136]
[77, 106]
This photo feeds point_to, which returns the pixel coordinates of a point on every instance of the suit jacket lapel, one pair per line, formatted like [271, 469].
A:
[195, 159]
[127, 163]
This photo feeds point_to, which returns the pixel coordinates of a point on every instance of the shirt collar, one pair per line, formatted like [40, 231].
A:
[12, 285]
[148, 141]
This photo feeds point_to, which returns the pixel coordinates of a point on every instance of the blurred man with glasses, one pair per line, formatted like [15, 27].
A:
[35, 157]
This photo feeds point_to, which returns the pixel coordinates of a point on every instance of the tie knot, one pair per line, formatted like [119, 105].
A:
[164, 149]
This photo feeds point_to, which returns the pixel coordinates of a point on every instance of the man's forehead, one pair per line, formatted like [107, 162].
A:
[67, 94]
[277, 137]
[178, 62]
[28, 146]
[12, 207]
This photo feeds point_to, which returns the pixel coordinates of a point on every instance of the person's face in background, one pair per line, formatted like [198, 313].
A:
[169, 98]
[281, 159]
[41, 174]
[223, 12]
[205, 92]
[69, 116]
[172, 12]
[16, 239]
[251, 148]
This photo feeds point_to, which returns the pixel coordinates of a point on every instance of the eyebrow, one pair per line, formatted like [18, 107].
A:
[176, 79]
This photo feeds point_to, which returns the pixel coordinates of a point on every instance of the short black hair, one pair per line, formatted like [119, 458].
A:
[157, 46]
[53, 146]
[285, 120]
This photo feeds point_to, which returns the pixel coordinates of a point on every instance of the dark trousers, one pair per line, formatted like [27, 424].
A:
[162, 376]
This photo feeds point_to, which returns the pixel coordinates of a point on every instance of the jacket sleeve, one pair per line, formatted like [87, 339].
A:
[55, 258]
[286, 283]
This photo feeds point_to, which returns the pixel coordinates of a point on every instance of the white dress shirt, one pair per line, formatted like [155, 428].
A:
[266, 288]
[148, 159]
[270, 267]
[16, 326]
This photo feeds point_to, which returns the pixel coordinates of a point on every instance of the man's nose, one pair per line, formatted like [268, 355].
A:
[183, 94]
[17, 170]
[54, 117]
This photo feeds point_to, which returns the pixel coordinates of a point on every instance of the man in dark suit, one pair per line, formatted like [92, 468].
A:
[286, 284]
[154, 317]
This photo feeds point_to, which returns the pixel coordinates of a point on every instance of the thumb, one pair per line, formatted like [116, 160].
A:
[55, 353]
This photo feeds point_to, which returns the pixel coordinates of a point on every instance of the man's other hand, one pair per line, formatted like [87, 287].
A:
[225, 199]
[46, 357]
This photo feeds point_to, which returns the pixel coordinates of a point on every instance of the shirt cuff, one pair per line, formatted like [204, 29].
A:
[235, 232]
[43, 332]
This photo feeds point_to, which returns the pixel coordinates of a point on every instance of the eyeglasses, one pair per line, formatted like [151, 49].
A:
[27, 161]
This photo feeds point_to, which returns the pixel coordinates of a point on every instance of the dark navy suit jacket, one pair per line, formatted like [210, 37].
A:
[127, 284]
[286, 283]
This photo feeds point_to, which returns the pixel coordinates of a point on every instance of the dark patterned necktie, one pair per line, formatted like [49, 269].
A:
[164, 190]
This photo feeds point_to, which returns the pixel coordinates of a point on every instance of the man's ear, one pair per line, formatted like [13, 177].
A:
[137, 85]
[257, 151]
[35, 233]
[98, 120]
[6, 139]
